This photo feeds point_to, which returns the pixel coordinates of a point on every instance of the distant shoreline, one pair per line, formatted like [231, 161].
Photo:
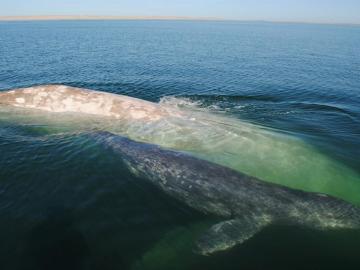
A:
[163, 18]
[88, 18]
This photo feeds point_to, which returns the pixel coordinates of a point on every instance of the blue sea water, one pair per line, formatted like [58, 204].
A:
[66, 203]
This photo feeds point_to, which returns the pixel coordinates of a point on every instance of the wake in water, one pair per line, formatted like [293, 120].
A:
[186, 125]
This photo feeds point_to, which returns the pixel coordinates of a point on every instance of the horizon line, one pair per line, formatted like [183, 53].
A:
[180, 18]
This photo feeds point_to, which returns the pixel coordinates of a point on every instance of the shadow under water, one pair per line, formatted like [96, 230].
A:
[55, 243]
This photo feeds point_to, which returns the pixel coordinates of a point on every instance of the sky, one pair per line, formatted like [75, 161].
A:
[323, 11]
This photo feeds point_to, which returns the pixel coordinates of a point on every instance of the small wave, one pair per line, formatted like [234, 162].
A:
[253, 103]
[179, 101]
[189, 104]
[321, 107]
[234, 98]
[19, 133]
[216, 103]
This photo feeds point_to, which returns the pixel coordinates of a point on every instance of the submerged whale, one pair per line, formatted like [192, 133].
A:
[246, 204]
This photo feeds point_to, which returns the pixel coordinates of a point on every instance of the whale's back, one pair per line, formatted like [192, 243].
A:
[61, 99]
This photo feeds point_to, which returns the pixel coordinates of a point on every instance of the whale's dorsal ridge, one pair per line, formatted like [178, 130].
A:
[229, 233]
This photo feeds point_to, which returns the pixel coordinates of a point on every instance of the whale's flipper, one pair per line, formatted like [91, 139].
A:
[227, 234]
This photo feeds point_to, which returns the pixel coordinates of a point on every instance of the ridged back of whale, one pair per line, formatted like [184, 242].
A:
[60, 98]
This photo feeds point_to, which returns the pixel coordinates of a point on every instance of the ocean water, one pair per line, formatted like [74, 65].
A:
[277, 101]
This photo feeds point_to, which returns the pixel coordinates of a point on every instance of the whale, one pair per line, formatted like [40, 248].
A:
[244, 204]
[177, 123]
[63, 99]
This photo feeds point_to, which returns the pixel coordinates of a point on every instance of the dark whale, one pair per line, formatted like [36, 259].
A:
[246, 204]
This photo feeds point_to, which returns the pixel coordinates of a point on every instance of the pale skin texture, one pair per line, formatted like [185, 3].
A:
[60, 98]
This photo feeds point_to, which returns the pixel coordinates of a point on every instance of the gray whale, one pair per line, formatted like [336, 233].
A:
[246, 204]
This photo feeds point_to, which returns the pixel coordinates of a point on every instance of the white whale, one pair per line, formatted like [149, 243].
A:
[60, 98]
[257, 151]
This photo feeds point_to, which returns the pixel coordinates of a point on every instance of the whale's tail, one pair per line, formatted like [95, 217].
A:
[314, 211]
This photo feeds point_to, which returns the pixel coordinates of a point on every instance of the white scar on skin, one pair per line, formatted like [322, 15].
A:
[61, 98]
[20, 100]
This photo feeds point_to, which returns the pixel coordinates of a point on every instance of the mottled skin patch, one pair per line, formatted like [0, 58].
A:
[246, 203]
[60, 98]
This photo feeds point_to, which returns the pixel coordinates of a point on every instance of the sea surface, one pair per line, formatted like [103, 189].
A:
[277, 101]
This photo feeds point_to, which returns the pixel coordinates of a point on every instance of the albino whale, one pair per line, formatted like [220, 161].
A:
[60, 98]
[176, 123]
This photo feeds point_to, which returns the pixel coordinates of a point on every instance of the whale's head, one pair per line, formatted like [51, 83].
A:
[132, 153]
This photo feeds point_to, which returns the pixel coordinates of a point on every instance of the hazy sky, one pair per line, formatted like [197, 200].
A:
[334, 11]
